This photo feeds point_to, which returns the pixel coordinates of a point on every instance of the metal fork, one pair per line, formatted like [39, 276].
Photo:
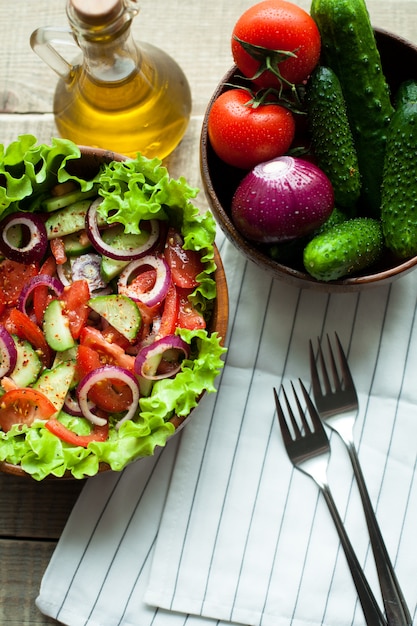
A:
[309, 451]
[338, 409]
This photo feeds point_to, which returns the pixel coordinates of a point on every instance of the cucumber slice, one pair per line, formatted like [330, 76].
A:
[28, 364]
[120, 312]
[69, 220]
[110, 268]
[56, 327]
[64, 357]
[116, 237]
[73, 246]
[54, 203]
[56, 382]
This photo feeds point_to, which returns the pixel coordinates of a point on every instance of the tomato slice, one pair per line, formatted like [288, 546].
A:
[111, 335]
[108, 352]
[148, 315]
[75, 298]
[23, 406]
[185, 264]
[58, 250]
[20, 324]
[98, 433]
[188, 316]
[13, 276]
[170, 313]
[143, 282]
[112, 398]
[88, 359]
[41, 294]
[2, 304]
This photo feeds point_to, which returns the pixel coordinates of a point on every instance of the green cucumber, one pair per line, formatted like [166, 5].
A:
[291, 252]
[68, 220]
[120, 312]
[118, 239]
[349, 49]
[28, 364]
[407, 93]
[344, 249]
[54, 203]
[331, 136]
[76, 243]
[399, 202]
[56, 327]
[56, 382]
[336, 217]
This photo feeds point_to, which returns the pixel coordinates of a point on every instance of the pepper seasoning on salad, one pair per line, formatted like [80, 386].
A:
[106, 289]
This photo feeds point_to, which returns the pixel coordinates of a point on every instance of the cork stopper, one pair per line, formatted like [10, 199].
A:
[96, 11]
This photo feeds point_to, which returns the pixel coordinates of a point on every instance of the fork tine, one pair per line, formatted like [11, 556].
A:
[285, 431]
[317, 388]
[294, 423]
[301, 412]
[336, 379]
[347, 376]
[339, 382]
[315, 380]
[315, 418]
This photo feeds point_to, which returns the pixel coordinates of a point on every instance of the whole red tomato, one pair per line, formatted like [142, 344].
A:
[242, 135]
[276, 26]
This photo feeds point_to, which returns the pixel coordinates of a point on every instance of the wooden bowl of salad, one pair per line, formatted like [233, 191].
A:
[285, 262]
[113, 299]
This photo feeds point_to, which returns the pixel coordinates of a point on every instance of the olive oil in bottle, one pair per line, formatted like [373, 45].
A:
[118, 94]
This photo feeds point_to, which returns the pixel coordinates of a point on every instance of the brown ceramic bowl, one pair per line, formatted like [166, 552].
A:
[399, 61]
[87, 166]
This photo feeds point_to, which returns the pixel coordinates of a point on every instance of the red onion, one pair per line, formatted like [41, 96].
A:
[162, 282]
[87, 267]
[37, 244]
[104, 248]
[106, 372]
[72, 406]
[149, 358]
[41, 279]
[8, 352]
[282, 199]
[64, 273]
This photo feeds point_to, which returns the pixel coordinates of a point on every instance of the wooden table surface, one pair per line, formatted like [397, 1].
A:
[197, 35]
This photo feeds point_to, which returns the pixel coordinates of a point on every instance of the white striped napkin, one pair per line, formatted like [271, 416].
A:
[219, 526]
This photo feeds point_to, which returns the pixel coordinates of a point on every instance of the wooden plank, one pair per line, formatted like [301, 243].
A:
[23, 565]
[35, 509]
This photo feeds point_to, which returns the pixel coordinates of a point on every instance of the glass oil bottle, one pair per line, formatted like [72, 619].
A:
[117, 94]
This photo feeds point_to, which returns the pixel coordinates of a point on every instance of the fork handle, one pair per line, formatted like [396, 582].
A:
[394, 602]
[370, 608]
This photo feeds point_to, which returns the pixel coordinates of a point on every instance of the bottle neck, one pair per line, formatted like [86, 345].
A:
[109, 51]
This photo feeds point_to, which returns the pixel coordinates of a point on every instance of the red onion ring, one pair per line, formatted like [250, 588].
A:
[72, 406]
[106, 372]
[41, 279]
[104, 248]
[8, 352]
[36, 247]
[161, 286]
[64, 271]
[148, 359]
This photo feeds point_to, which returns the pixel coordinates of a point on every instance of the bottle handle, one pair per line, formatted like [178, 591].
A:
[41, 42]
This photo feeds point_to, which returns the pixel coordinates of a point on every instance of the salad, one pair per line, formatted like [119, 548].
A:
[106, 292]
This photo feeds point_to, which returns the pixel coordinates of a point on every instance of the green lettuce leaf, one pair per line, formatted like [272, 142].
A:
[134, 190]
[142, 189]
[28, 169]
